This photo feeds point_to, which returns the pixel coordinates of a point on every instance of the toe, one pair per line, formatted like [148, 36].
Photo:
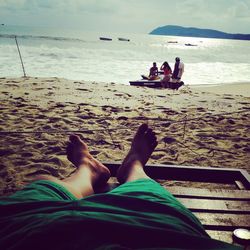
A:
[75, 139]
[69, 151]
[154, 144]
[150, 135]
[141, 130]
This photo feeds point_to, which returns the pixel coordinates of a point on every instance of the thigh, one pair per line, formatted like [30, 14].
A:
[42, 190]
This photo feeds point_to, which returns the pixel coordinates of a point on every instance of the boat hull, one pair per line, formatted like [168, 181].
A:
[145, 83]
[156, 84]
[123, 39]
[105, 39]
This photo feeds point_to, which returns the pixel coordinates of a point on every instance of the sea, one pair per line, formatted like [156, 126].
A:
[81, 55]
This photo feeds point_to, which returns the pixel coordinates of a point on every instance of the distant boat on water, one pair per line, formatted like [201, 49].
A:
[123, 39]
[189, 44]
[105, 38]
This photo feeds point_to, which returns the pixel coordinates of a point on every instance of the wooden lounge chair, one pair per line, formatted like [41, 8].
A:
[220, 210]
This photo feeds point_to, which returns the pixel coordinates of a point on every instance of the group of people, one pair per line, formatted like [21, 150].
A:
[170, 76]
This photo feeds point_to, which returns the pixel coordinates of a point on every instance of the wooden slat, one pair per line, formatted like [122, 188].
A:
[240, 185]
[225, 236]
[223, 221]
[191, 173]
[245, 178]
[206, 193]
[222, 206]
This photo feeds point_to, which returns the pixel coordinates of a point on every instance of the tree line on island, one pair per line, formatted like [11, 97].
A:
[174, 30]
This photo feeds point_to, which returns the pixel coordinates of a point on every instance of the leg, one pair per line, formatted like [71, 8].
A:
[89, 174]
[141, 149]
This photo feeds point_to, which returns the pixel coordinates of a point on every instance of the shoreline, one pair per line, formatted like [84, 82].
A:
[225, 88]
[232, 88]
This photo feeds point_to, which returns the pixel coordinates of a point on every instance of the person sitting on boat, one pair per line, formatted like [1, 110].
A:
[178, 70]
[153, 73]
[167, 71]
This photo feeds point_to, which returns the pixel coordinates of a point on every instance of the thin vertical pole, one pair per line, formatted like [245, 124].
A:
[24, 74]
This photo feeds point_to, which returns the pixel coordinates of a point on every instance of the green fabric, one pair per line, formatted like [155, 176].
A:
[135, 215]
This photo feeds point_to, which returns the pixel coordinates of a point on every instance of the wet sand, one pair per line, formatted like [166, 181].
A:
[195, 126]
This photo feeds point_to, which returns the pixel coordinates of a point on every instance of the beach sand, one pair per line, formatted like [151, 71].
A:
[195, 126]
[242, 89]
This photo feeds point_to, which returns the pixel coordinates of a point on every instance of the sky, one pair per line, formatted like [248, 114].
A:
[128, 16]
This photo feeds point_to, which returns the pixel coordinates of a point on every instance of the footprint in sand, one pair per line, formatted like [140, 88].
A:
[56, 150]
[170, 112]
[166, 124]
[201, 109]
[86, 90]
[228, 98]
[47, 127]
[123, 118]
[158, 156]
[19, 99]
[246, 149]
[37, 172]
[127, 109]
[40, 116]
[169, 140]
[245, 108]
[60, 105]
[231, 121]
[39, 145]
[5, 152]
[27, 154]
[54, 119]
[221, 118]
[94, 152]
[119, 94]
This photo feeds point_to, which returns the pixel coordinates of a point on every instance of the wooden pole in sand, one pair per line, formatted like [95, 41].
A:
[24, 74]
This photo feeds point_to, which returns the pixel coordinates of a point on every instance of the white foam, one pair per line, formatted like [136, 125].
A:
[212, 61]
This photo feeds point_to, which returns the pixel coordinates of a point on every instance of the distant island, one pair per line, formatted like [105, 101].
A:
[174, 30]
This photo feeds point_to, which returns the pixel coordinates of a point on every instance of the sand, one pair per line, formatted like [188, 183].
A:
[242, 89]
[195, 126]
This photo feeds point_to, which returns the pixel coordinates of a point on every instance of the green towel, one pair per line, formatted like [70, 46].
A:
[136, 215]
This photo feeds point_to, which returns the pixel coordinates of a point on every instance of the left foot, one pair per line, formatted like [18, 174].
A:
[79, 155]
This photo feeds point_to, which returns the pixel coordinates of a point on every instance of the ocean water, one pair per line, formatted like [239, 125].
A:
[80, 55]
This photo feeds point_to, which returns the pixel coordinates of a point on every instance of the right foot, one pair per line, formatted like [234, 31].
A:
[78, 154]
[142, 147]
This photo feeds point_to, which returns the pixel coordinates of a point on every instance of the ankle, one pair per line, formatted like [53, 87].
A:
[136, 172]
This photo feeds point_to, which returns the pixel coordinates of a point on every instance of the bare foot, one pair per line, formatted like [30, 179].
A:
[78, 154]
[141, 149]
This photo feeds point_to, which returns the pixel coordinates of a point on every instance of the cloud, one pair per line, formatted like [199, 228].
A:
[240, 10]
[129, 15]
